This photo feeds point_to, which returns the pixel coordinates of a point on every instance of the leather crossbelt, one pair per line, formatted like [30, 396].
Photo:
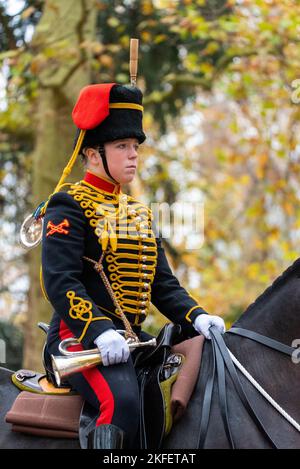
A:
[262, 339]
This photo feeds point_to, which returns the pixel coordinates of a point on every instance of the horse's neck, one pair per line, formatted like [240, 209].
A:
[276, 313]
[276, 316]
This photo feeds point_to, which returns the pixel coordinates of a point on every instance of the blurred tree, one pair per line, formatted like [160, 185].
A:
[44, 75]
[238, 146]
[62, 68]
[14, 26]
[167, 36]
[16, 142]
[216, 77]
[12, 340]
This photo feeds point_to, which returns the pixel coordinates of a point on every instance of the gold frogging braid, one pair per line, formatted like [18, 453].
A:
[98, 266]
[123, 226]
[79, 308]
[101, 209]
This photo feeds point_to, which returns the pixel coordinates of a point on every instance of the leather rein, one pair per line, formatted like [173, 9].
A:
[221, 361]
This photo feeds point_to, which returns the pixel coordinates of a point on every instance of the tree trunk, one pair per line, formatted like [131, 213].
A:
[63, 69]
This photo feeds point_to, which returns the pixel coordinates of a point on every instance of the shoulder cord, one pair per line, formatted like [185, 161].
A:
[98, 266]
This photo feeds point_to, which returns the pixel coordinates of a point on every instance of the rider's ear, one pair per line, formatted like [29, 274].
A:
[92, 155]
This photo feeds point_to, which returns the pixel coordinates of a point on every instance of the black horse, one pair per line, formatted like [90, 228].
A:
[275, 314]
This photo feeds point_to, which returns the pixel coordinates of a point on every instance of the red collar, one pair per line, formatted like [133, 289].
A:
[101, 183]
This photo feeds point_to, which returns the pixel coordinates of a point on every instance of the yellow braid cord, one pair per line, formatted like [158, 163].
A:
[71, 162]
[42, 285]
[135, 106]
[187, 316]
[82, 310]
[67, 169]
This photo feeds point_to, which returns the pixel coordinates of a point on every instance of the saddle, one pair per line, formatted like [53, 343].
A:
[43, 409]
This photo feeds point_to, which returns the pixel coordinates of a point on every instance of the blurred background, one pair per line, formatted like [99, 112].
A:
[221, 84]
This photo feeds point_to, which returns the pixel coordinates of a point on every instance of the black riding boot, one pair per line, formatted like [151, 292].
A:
[106, 436]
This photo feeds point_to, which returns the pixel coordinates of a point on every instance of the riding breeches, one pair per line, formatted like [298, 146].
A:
[112, 390]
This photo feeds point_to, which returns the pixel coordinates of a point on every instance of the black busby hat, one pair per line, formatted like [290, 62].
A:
[109, 112]
[104, 113]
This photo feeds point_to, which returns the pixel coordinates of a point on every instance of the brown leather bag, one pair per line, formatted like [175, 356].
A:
[186, 380]
[54, 416]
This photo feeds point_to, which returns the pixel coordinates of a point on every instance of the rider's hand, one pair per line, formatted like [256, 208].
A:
[203, 322]
[112, 347]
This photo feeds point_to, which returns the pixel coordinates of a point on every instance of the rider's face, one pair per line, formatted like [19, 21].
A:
[122, 156]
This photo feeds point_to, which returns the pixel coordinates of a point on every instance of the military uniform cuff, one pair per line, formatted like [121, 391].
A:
[95, 329]
[194, 312]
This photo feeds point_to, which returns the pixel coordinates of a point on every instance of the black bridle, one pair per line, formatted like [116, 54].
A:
[221, 361]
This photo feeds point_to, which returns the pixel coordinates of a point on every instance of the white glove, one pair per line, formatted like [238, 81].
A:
[203, 322]
[112, 347]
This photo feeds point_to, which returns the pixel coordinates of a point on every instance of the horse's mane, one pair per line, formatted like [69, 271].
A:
[278, 282]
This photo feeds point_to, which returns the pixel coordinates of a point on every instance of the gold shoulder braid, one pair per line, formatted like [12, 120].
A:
[123, 227]
[101, 208]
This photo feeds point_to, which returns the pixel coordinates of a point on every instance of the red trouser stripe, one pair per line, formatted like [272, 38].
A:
[96, 381]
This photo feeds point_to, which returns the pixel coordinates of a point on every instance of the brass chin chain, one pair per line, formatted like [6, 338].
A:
[98, 266]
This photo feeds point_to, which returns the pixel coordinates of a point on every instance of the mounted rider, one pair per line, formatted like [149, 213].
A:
[91, 230]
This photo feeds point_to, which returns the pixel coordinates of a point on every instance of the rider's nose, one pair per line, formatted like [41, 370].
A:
[133, 153]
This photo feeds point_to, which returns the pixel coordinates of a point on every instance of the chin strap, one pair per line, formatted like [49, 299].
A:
[104, 161]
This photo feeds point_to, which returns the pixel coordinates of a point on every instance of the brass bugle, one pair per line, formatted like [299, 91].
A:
[74, 362]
